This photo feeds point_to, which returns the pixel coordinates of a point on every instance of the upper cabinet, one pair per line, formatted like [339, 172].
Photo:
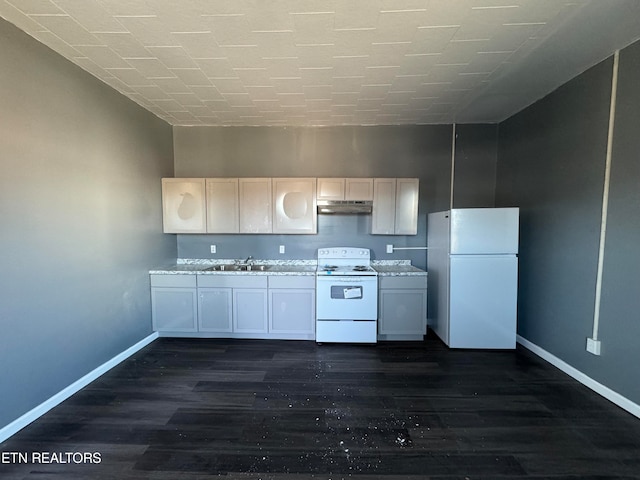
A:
[255, 205]
[331, 189]
[345, 188]
[395, 206]
[358, 189]
[294, 205]
[183, 205]
[223, 210]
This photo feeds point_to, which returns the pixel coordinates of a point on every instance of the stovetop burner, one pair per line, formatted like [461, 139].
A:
[343, 261]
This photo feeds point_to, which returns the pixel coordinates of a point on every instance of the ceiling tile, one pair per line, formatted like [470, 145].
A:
[149, 31]
[67, 29]
[130, 76]
[172, 85]
[199, 44]
[191, 76]
[91, 15]
[36, 7]
[124, 44]
[173, 57]
[206, 93]
[150, 67]
[103, 56]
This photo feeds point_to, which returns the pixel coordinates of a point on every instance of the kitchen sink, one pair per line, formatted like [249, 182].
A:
[236, 268]
[222, 268]
[250, 268]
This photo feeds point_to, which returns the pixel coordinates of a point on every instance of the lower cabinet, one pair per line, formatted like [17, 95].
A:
[173, 303]
[292, 304]
[215, 313]
[402, 310]
[250, 309]
[234, 306]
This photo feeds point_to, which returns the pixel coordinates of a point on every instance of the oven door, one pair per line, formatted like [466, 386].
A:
[346, 297]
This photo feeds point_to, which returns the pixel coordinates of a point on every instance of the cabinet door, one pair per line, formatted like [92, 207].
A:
[331, 189]
[358, 189]
[292, 310]
[384, 206]
[223, 213]
[406, 221]
[215, 310]
[255, 205]
[250, 310]
[294, 201]
[403, 312]
[174, 309]
[183, 205]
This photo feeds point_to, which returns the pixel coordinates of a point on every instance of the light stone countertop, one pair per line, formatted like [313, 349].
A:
[277, 267]
[399, 270]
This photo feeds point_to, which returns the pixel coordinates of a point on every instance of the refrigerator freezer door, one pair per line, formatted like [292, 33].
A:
[483, 301]
[484, 231]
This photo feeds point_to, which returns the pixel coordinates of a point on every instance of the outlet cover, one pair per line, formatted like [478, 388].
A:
[389, 248]
[213, 249]
[281, 249]
[593, 346]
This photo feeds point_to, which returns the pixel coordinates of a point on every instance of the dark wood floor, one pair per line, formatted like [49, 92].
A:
[293, 410]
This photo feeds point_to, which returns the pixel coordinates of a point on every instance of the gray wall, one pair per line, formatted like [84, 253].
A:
[382, 151]
[81, 220]
[620, 307]
[551, 162]
[475, 166]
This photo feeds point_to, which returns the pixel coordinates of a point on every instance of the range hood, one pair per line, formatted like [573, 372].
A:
[344, 206]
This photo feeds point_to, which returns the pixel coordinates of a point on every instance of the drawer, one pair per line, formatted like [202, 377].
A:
[173, 280]
[233, 281]
[409, 281]
[292, 281]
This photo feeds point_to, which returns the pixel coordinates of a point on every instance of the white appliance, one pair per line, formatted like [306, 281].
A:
[473, 276]
[346, 296]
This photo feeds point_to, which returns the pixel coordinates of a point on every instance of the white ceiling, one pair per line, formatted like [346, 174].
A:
[330, 62]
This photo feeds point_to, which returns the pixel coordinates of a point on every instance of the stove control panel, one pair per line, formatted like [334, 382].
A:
[344, 253]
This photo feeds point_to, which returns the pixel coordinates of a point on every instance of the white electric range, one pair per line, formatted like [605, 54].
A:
[346, 296]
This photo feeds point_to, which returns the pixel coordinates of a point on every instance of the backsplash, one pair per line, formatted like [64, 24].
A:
[333, 231]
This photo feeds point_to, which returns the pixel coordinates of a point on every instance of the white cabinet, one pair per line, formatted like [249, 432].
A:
[223, 211]
[183, 205]
[250, 310]
[215, 311]
[173, 303]
[292, 305]
[294, 205]
[358, 189]
[395, 206]
[402, 313]
[331, 188]
[345, 188]
[406, 221]
[255, 205]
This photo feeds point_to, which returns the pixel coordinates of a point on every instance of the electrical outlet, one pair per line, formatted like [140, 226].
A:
[389, 248]
[593, 346]
[281, 249]
[213, 249]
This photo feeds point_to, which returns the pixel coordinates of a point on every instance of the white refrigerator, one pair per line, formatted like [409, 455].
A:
[472, 261]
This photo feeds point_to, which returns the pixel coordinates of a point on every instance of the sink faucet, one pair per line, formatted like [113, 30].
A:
[248, 260]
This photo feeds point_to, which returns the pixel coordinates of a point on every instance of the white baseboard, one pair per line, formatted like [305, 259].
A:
[76, 386]
[606, 392]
